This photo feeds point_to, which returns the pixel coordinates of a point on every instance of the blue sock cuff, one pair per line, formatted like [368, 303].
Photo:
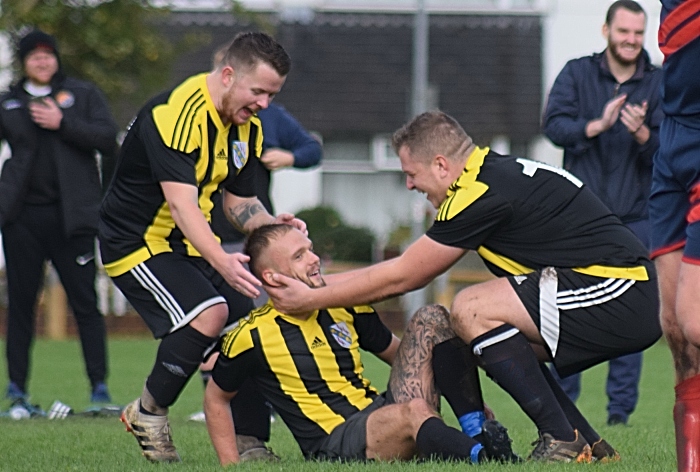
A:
[475, 453]
[471, 423]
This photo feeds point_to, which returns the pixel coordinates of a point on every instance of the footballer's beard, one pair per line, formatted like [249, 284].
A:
[229, 112]
[315, 282]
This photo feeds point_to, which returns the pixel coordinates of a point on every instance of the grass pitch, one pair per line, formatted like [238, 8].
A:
[101, 444]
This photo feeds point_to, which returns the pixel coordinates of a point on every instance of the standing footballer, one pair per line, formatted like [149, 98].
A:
[184, 146]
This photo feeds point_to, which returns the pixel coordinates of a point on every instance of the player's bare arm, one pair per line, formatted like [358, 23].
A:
[217, 408]
[247, 213]
[243, 213]
[183, 203]
[424, 260]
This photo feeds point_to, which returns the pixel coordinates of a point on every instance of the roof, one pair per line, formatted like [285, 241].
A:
[351, 72]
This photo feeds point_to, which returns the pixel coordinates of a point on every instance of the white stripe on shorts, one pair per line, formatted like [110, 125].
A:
[549, 314]
[148, 281]
[552, 301]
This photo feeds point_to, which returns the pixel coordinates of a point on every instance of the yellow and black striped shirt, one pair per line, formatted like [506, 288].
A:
[309, 370]
[177, 137]
[521, 215]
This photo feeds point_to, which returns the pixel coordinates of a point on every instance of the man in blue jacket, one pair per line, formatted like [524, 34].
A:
[604, 110]
[50, 194]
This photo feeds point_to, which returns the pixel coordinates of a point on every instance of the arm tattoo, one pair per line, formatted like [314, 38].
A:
[241, 214]
[412, 373]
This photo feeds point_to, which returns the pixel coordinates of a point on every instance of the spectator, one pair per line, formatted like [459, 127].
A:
[49, 198]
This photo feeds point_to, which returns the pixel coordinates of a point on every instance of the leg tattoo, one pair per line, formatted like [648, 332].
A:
[412, 372]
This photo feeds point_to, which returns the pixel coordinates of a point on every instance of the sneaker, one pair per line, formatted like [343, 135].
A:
[617, 419]
[251, 449]
[152, 433]
[198, 417]
[100, 394]
[548, 449]
[497, 443]
[14, 392]
[603, 452]
[22, 409]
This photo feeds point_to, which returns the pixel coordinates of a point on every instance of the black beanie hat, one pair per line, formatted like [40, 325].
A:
[36, 39]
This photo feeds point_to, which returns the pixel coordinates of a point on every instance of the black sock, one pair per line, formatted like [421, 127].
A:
[575, 417]
[179, 356]
[507, 357]
[437, 440]
[456, 375]
[457, 378]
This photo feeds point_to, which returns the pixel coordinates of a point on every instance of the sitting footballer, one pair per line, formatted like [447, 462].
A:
[308, 367]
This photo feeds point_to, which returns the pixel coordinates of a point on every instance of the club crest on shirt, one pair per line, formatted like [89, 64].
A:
[341, 333]
[65, 99]
[240, 153]
[11, 104]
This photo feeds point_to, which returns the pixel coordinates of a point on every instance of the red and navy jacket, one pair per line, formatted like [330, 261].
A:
[679, 40]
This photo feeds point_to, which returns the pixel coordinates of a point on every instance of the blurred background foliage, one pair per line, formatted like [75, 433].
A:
[117, 44]
[334, 239]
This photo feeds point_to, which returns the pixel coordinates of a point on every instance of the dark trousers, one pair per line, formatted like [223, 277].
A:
[38, 236]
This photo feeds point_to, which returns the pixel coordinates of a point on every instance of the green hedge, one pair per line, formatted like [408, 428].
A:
[334, 239]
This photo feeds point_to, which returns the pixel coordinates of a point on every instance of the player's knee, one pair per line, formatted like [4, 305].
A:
[690, 329]
[463, 313]
[212, 320]
[419, 409]
[435, 317]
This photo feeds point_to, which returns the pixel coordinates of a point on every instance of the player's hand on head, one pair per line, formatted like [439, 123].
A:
[237, 276]
[289, 219]
[288, 294]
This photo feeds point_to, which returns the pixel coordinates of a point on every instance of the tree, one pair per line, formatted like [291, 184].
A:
[112, 43]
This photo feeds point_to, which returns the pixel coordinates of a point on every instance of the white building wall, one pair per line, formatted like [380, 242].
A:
[379, 201]
[296, 189]
[5, 79]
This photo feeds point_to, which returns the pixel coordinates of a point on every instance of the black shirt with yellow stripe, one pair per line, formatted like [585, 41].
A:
[522, 215]
[177, 137]
[309, 370]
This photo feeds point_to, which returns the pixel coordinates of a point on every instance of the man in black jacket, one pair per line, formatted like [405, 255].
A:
[49, 198]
